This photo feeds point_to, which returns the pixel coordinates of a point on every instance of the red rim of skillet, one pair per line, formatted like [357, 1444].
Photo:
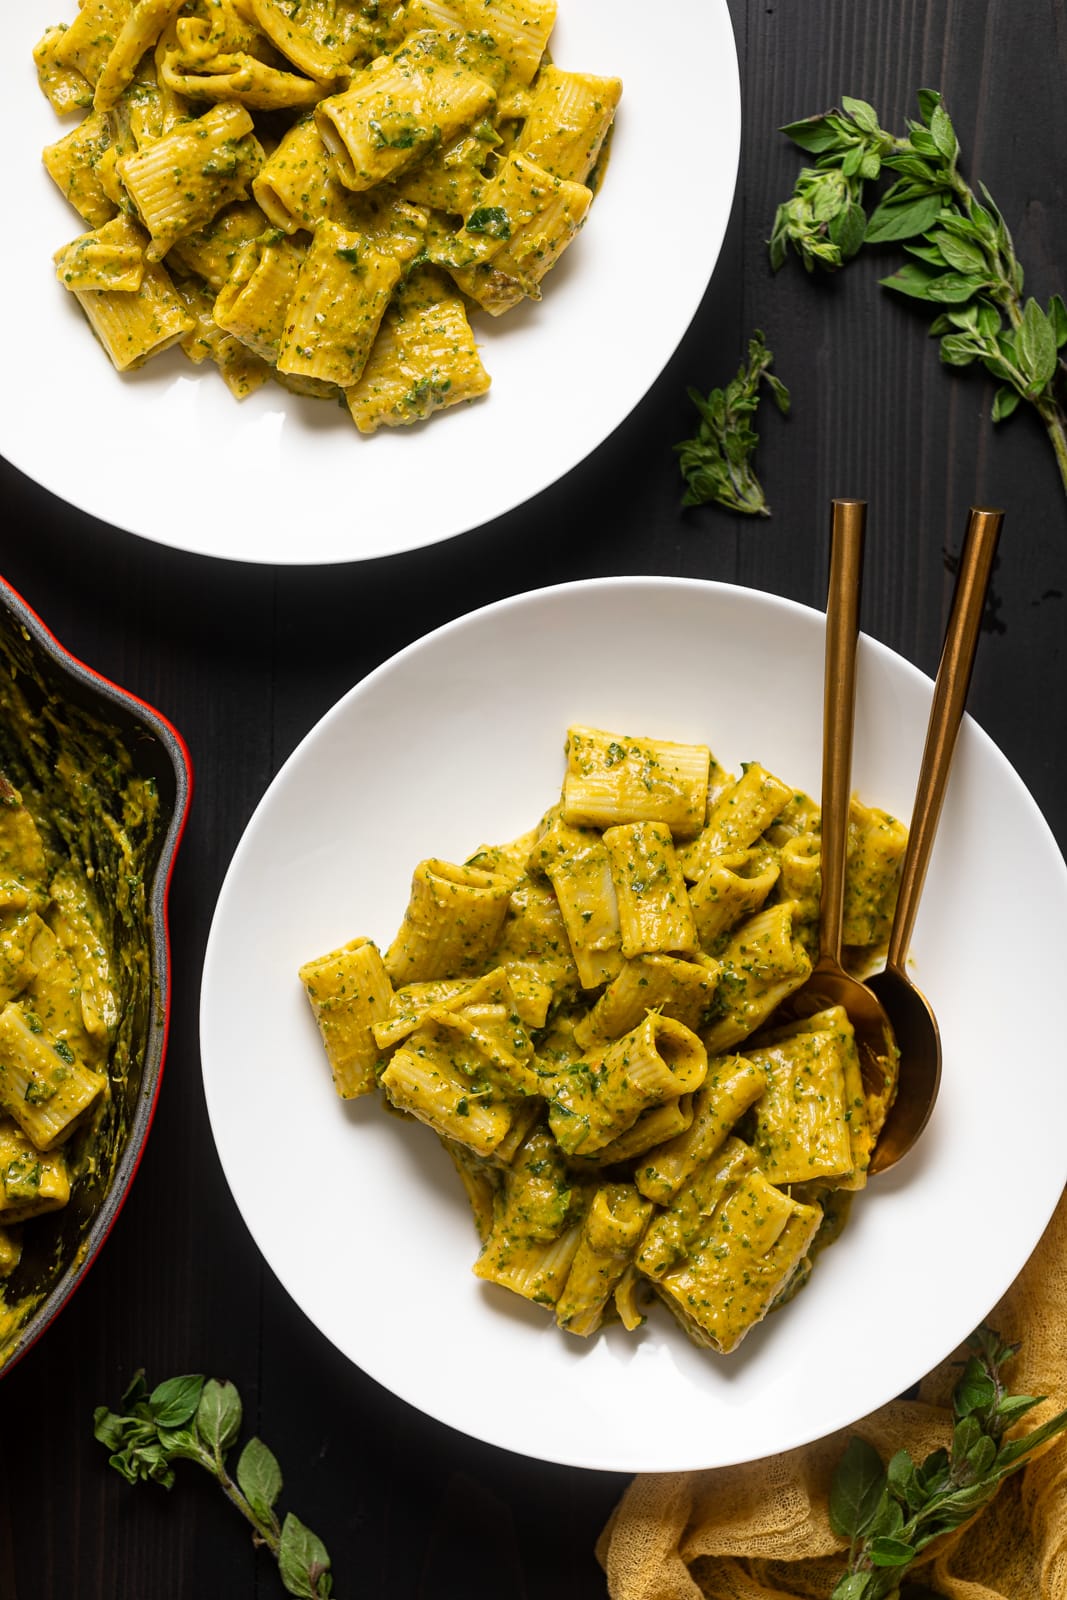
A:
[158, 751]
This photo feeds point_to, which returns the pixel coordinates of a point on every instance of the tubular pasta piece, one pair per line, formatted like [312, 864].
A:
[138, 33]
[240, 79]
[211, 252]
[578, 866]
[739, 1254]
[423, 1078]
[242, 371]
[812, 1121]
[617, 778]
[523, 222]
[42, 1085]
[183, 180]
[611, 1232]
[424, 359]
[87, 43]
[876, 844]
[337, 304]
[134, 327]
[569, 118]
[763, 963]
[501, 39]
[737, 819]
[732, 1085]
[65, 88]
[667, 984]
[73, 165]
[254, 301]
[654, 910]
[111, 257]
[323, 38]
[453, 920]
[602, 1094]
[732, 888]
[399, 107]
[31, 1182]
[349, 991]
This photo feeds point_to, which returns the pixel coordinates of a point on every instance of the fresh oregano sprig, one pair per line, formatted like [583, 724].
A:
[963, 258]
[195, 1419]
[890, 1513]
[717, 462]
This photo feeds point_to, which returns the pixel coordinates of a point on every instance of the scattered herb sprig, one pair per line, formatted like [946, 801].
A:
[193, 1419]
[964, 261]
[717, 462]
[890, 1513]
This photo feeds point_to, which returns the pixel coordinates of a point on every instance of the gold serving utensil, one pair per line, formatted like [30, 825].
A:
[914, 1024]
[828, 983]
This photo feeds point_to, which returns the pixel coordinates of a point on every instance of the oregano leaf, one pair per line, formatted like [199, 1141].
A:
[259, 1477]
[1057, 315]
[853, 1586]
[950, 288]
[814, 134]
[862, 114]
[218, 1415]
[959, 253]
[302, 1560]
[848, 228]
[944, 134]
[1036, 344]
[891, 1552]
[1005, 401]
[903, 221]
[975, 1391]
[857, 1489]
[174, 1402]
[913, 280]
[929, 100]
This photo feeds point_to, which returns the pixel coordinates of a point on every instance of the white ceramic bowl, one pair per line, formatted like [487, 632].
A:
[458, 741]
[281, 480]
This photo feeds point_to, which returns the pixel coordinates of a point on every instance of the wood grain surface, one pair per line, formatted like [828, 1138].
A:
[244, 659]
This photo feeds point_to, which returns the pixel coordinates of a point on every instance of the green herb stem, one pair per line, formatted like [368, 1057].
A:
[717, 462]
[191, 1419]
[964, 261]
[891, 1512]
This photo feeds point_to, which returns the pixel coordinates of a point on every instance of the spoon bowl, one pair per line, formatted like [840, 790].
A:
[918, 1043]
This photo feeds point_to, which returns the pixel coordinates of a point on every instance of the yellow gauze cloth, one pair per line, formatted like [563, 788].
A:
[761, 1531]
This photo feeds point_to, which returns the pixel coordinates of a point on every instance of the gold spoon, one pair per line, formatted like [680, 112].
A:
[828, 983]
[914, 1024]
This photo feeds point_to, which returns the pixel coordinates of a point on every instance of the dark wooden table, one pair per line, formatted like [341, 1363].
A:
[244, 659]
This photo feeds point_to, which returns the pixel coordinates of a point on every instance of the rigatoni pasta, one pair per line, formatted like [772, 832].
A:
[58, 1021]
[594, 1020]
[341, 189]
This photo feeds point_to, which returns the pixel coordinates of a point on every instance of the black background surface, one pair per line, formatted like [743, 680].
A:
[244, 659]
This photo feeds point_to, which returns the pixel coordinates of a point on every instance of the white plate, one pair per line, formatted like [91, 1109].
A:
[458, 741]
[168, 454]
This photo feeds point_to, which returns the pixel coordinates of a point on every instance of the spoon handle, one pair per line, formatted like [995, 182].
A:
[847, 524]
[946, 713]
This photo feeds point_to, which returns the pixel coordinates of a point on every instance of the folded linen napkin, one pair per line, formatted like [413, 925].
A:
[761, 1531]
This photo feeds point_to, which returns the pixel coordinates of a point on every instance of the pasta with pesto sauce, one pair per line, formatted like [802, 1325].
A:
[594, 1019]
[323, 193]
